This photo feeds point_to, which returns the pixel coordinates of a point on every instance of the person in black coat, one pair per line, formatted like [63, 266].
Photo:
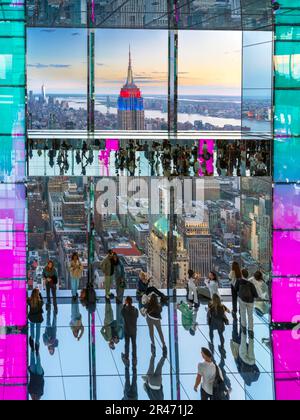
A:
[130, 315]
[35, 317]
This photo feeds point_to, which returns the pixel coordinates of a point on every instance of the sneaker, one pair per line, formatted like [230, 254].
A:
[125, 359]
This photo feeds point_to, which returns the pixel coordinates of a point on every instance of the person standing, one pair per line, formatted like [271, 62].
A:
[207, 372]
[51, 280]
[213, 284]
[119, 274]
[247, 294]
[153, 313]
[262, 305]
[192, 289]
[108, 268]
[35, 317]
[234, 276]
[76, 271]
[217, 319]
[130, 315]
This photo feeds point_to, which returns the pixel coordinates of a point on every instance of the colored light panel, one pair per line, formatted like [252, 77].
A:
[286, 252]
[206, 161]
[13, 303]
[287, 206]
[13, 363]
[287, 162]
[286, 300]
[286, 346]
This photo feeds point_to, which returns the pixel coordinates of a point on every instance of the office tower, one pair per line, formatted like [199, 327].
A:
[197, 241]
[43, 93]
[158, 250]
[73, 208]
[131, 115]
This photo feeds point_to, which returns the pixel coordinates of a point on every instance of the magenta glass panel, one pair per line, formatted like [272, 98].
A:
[12, 207]
[13, 303]
[206, 154]
[13, 363]
[286, 346]
[286, 254]
[286, 299]
[287, 206]
[13, 393]
[13, 252]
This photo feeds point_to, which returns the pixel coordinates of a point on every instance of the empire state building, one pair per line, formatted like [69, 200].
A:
[131, 114]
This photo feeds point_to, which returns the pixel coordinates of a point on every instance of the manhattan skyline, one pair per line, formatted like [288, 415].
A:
[63, 69]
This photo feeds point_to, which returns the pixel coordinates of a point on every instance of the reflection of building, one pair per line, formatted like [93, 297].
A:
[131, 115]
[157, 250]
[198, 243]
[73, 208]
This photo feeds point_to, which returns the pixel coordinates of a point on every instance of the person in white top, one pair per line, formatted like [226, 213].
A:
[192, 288]
[206, 377]
[213, 284]
[263, 303]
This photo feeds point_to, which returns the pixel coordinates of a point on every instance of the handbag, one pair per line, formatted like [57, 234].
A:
[220, 391]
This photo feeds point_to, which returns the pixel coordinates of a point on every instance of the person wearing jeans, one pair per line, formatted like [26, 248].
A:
[154, 310]
[130, 315]
[247, 294]
[51, 280]
[108, 268]
[76, 270]
[35, 317]
[234, 276]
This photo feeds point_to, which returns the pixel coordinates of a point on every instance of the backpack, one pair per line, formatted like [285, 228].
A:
[245, 292]
[220, 391]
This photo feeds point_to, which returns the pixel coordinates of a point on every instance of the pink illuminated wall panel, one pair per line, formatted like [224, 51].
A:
[13, 363]
[207, 165]
[286, 254]
[287, 206]
[12, 303]
[286, 300]
[286, 345]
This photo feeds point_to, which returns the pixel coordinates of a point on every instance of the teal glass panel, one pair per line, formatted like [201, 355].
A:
[289, 33]
[11, 28]
[288, 3]
[288, 17]
[287, 113]
[286, 160]
[287, 64]
[12, 10]
[12, 111]
[12, 61]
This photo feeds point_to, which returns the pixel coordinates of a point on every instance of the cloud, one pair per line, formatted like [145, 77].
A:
[100, 64]
[76, 34]
[50, 66]
[48, 31]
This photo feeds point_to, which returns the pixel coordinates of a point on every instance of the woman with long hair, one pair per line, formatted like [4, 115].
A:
[76, 270]
[217, 319]
[154, 310]
[35, 317]
[234, 276]
[213, 284]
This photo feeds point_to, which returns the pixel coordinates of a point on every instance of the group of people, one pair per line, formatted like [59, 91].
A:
[164, 159]
[241, 158]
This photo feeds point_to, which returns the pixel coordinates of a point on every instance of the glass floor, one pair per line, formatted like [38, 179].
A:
[72, 369]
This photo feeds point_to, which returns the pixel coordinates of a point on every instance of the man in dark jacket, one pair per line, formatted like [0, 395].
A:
[130, 315]
[247, 294]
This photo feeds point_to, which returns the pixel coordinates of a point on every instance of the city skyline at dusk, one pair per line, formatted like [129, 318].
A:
[150, 69]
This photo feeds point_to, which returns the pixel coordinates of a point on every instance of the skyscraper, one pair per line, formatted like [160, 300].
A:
[131, 115]
[43, 93]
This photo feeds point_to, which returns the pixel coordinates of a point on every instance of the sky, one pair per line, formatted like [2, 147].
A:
[209, 61]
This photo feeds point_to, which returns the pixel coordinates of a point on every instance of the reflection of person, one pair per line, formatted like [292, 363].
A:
[192, 289]
[130, 389]
[76, 270]
[51, 280]
[130, 315]
[50, 336]
[76, 322]
[119, 274]
[154, 310]
[153, 381]
[36, 381]
[35, 317]
[189, 317]
[112, 330]
[108, 269]
[144, 288]
[262, 305]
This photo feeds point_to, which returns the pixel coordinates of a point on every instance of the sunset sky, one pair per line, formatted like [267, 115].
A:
[209, 62]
